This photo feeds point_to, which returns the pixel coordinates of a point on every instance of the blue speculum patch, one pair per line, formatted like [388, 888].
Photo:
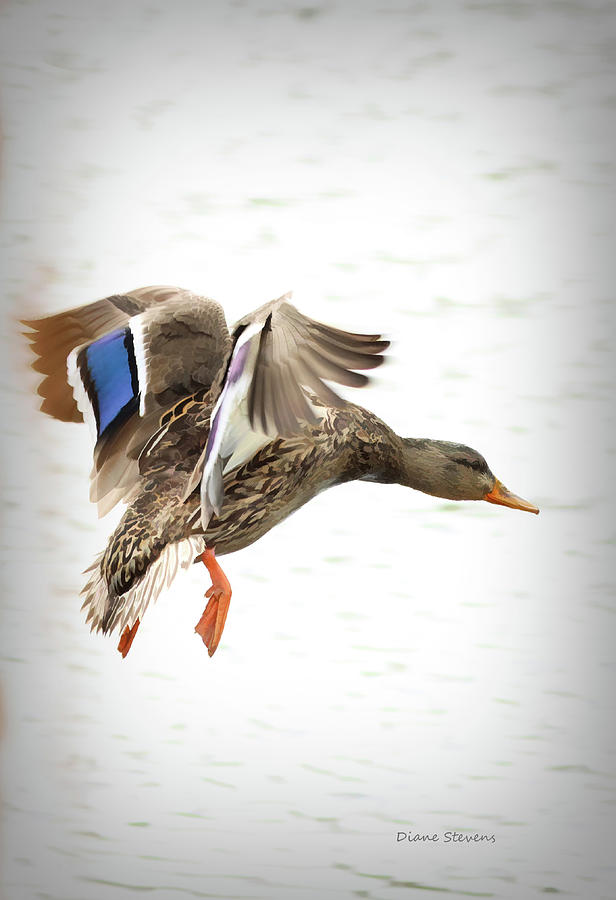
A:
[112, 373]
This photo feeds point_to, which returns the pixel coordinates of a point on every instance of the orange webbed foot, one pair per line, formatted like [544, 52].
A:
[128, 636]
[211, 624]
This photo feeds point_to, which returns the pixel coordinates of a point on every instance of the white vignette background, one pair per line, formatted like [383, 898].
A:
[440, 172]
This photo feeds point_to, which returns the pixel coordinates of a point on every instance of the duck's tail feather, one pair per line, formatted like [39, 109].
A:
[107, 607]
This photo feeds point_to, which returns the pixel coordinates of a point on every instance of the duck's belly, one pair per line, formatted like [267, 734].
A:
[275, 483]
[243, 521]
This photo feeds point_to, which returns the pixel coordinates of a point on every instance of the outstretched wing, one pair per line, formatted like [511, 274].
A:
[278, 356]
[119, 363]
[53, 337]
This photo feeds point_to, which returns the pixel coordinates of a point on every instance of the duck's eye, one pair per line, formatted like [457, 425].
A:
[475, 464]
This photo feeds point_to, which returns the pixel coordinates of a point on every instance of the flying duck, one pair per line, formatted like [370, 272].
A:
[212, 436]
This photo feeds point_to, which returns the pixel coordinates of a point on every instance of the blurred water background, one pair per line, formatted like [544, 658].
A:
[391, 663]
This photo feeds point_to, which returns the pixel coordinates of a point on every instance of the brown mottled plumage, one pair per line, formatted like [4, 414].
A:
[276, 481]
[283, 436]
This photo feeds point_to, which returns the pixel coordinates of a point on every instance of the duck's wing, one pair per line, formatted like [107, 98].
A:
[54, 337]
[280, 363]
[119, 364]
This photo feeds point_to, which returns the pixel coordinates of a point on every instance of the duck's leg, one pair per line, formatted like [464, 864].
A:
[212, 622]
[128, 636]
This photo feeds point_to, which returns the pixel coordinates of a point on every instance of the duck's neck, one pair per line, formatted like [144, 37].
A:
[383, 456]
[405, 461]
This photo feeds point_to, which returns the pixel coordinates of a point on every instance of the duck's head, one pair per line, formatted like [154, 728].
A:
[455, 472]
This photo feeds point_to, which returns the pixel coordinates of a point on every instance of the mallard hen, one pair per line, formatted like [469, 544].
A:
[212, 436]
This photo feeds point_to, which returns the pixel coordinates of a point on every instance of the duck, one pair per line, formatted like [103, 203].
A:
[211, 436]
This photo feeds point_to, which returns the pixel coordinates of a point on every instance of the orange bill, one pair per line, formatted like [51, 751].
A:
[499, 494]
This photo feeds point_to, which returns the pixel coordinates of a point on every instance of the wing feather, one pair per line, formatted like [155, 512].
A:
[53, 338]
[121, 363]
[288, 356]
[133, 356]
